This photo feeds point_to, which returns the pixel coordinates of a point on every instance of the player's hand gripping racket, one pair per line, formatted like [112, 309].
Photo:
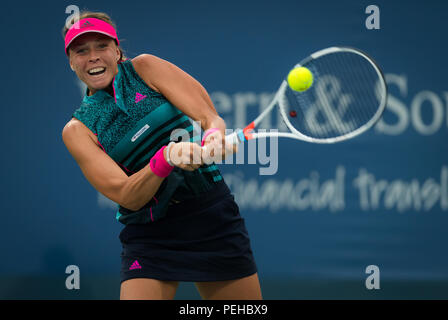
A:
[347, 97]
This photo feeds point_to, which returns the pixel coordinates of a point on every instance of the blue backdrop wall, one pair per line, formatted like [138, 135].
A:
[327, 213]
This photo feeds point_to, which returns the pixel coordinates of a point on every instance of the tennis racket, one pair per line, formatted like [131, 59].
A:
[348, 96]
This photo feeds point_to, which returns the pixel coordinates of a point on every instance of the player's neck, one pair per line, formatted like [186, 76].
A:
[109, 89]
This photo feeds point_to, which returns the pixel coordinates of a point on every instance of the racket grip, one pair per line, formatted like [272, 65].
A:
[236, 137]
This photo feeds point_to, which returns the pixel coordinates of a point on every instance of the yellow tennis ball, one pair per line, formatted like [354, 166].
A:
[300, 79]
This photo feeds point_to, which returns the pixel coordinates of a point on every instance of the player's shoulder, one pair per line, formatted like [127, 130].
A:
[148, 61]
[146, 58]
[75, 130]
[149, 67]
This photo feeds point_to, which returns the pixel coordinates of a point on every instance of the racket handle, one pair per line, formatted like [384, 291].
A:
[236, 137]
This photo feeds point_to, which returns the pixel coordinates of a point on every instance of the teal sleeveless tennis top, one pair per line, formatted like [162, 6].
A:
[131, 127]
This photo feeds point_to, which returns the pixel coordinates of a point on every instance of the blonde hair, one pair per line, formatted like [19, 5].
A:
[98, 15]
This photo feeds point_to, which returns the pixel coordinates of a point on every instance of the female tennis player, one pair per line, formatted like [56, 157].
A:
[181, 220]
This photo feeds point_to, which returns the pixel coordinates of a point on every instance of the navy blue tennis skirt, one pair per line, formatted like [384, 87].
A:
[203, 239]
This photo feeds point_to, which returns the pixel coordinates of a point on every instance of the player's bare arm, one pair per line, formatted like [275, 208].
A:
[104, 174]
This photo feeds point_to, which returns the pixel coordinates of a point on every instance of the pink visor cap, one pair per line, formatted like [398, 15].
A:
[89, 25]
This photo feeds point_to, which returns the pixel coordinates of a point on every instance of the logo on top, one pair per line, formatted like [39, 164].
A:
[135, 265]
[140, 132]
[139, 97]
[86, 24]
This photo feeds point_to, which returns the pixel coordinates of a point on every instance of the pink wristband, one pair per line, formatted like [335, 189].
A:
[159, 165]
[207, 133]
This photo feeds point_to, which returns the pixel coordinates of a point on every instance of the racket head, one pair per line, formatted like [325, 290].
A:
[348, 96]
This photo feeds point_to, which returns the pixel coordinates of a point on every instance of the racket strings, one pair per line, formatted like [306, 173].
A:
[360, 78]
